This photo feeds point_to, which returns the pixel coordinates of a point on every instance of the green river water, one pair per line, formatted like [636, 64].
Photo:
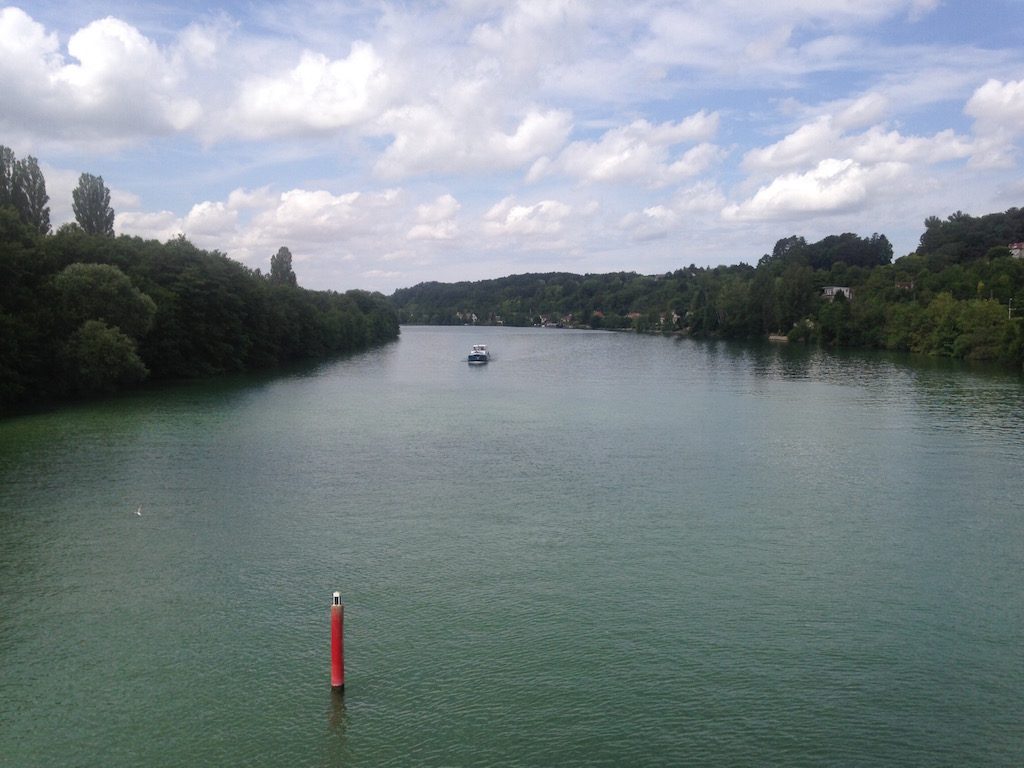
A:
[598, 549]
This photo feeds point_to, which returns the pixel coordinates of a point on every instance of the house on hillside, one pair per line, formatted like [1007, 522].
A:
[831, 291]
[1017, 250]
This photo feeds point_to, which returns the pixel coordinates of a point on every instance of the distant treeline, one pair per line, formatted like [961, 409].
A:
[84, 313]
[956, 296]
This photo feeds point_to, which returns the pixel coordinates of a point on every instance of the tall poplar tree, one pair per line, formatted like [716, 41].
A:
[91, 203]
[30, 196]
[281, 267]
[23, 188]
[7, 162]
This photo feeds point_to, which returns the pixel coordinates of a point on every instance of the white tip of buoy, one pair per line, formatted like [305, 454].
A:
[337, 598]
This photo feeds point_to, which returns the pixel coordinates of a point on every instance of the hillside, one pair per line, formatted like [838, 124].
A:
[956, 296]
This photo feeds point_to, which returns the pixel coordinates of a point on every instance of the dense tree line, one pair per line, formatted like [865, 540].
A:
[957, 295]
[84, 312]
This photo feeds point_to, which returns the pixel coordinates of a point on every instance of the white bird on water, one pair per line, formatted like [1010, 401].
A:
[139, 511]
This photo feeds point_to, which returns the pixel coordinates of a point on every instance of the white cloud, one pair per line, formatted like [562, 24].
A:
[686, 37]
[865, 110]
[769, 46]
[115, 85]
[463, 136]
[208, 219]
[24, 41]
[508, 218]
[539, 132]
[821, 140]
[760, 41]
[152, 225]
[121, 198]
[211, 225]
[703, 197]
[251, 225]
[200, 44]
[639, 151]
[29, 59]
[830, 51]
[317, 94]
[695, 161]
[999, 104]
[436, 221]
[878, 145]
[825, 14]
[439, 230]
[651, 223]
[324, 231]
[444, 207]
[533, 34]
[998, 111]
[832, 186]
[693, 204]
[807, 144]
[319, 216]
[241, 199]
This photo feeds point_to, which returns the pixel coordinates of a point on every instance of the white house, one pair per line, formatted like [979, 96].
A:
[831, 291]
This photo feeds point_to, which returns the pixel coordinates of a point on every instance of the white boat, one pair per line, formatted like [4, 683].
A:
[479, 354]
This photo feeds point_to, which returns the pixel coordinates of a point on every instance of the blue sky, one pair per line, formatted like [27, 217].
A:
[386, 144]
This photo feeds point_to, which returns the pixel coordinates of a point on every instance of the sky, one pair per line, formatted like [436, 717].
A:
[387, 144]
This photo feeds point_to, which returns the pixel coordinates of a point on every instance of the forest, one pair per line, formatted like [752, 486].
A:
[958, 295]
[85, 312]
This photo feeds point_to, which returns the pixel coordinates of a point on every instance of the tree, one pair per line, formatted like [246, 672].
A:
[985, 330]
[835, 320]
[29, 193]
[941, 326]
[91, 203]
[7, 162]
[23, 188]
[103, 292]
[281, 267]
[789, 249]
[99, 358]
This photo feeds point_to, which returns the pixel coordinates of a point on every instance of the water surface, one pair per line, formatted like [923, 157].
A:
[599, 549]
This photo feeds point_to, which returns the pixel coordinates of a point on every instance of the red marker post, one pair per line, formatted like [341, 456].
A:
[337, 644]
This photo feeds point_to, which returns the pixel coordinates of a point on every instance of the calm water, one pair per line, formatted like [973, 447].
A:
[599, 549]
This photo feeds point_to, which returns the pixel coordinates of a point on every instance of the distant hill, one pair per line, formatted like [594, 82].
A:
[955, 296]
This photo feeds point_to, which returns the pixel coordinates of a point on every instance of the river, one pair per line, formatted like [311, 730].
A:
[598, 549]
